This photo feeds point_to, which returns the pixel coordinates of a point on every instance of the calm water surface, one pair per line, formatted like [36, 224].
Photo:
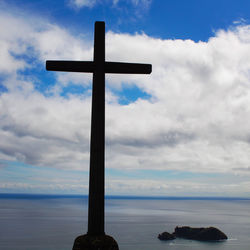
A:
[52, 223]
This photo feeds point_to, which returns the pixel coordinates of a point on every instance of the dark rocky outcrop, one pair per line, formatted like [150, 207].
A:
[202, 234]
[166, 236]
[192, 233]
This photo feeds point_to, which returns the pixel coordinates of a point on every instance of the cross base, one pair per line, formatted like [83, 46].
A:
[92, 242]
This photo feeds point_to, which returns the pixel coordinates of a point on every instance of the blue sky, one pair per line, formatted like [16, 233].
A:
[181, 131]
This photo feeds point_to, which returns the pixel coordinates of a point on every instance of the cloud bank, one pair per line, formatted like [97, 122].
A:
[195, 120]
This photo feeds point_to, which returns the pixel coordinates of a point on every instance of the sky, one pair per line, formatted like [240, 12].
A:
[184, 130]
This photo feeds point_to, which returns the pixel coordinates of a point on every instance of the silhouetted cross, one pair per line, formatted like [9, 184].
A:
[97, 143]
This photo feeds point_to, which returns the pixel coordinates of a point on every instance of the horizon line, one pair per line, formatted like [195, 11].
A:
[107, 197]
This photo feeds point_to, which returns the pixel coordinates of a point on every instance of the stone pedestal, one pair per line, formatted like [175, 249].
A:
[91, 242]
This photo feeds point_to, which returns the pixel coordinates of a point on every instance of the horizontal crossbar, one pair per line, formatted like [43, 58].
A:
[71, 66]
[89, 67]
[127, 68]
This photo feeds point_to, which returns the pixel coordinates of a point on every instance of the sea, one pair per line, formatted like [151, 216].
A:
[52, 222]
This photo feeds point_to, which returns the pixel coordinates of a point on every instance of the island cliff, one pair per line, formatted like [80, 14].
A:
[201, 234]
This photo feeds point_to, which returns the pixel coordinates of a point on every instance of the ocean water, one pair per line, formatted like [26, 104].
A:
[41, 222]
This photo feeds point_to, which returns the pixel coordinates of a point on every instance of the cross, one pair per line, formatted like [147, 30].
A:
[97, 141]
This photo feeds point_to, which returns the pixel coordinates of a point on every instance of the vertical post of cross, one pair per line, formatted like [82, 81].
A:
[96, 238]
[97, 141]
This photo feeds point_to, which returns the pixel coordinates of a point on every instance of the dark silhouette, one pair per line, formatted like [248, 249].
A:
[166, 236]
[200, 233]
[193, 233]
[97, 144]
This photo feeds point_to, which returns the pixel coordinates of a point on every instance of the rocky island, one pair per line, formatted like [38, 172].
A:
[166, 236]
[191, 233]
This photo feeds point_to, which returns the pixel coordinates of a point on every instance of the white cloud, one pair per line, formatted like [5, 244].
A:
[34, 130]
[142, 3]
[200, 95]
[138, 4]
[115, 2]
[197, 119]
[38, 41]
[132, 9]
[82, 3]
[61, 187]
[176, 188]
